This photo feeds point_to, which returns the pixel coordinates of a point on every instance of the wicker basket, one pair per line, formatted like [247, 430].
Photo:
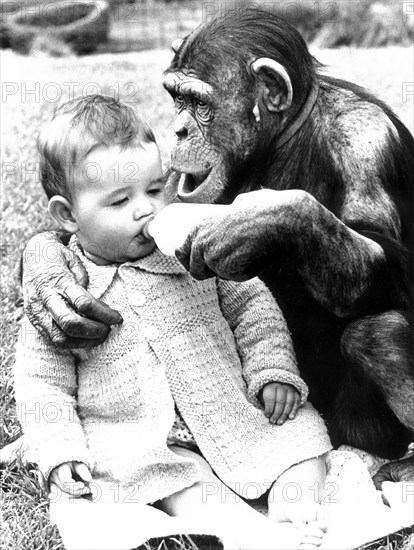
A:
[83, 24]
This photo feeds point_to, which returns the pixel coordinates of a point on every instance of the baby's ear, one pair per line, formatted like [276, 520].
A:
[61, 210]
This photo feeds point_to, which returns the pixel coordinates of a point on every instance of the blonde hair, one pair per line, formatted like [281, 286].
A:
[76, 128]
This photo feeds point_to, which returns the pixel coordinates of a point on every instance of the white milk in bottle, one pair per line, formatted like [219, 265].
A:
[171, 226]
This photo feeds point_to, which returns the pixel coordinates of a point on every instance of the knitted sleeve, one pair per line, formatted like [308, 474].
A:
[45, 387]
[262, 337]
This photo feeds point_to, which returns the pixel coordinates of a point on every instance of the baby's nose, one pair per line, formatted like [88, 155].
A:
[144, 208]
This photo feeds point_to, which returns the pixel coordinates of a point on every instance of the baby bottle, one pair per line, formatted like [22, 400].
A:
[171, 226]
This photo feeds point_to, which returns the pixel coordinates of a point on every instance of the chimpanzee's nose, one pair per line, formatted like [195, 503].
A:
[181, 126]
[182, 133]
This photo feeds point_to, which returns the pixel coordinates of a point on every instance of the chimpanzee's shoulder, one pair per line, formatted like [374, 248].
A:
[353, 118]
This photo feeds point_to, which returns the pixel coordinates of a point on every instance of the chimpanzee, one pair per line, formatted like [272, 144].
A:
[333, 241]
[332, 235]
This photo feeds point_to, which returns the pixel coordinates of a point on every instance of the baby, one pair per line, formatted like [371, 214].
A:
[195, 400]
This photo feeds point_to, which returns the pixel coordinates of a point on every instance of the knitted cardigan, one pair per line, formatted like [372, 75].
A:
[208, 346]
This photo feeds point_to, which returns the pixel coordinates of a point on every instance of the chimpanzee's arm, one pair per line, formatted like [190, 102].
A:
[56, 301]
[271, 227]
[359, 260]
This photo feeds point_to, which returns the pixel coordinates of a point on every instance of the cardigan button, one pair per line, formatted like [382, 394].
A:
[137, 299]
[127, 270]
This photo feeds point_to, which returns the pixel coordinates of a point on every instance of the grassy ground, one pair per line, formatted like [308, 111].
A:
[31, 88]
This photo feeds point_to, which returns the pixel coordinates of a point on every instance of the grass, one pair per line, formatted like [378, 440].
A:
[24, 516]
[403, 540]
[33, 85]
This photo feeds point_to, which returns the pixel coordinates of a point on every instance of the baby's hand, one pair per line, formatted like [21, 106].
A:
[71, 478]
[280, 401]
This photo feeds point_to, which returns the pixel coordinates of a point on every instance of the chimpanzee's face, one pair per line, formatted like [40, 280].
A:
[214, 131]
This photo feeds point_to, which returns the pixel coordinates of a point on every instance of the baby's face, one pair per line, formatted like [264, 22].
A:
[115, 193]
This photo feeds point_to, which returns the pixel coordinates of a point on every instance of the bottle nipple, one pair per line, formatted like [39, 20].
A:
[145, 230]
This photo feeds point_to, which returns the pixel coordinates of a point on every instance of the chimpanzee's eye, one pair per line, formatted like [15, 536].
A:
[203, 111]
[179, 102]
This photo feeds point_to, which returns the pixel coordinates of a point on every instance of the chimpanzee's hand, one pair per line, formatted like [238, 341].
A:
[234, 244]
[55, 302]
[398, 470]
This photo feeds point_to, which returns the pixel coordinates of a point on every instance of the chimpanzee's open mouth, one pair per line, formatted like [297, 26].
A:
[191, 186]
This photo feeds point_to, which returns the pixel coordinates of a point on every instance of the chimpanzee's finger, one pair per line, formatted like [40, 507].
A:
[183, 254]
[62, 340]
[46, 326]
[191, 256]
[200, 270]
[83, 302]
[73, 324]
[77, 268]
[397, 470]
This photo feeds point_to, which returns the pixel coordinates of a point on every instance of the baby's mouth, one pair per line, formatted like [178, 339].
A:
[143, 236]
[142, 239]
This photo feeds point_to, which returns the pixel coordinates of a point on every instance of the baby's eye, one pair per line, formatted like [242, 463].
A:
[155, 191]
[120, 201]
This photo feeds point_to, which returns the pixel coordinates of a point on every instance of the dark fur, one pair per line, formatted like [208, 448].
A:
[353, 335]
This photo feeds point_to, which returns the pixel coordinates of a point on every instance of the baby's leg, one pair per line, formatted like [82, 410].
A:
[239, 525]
[295, 497]
[296, 494]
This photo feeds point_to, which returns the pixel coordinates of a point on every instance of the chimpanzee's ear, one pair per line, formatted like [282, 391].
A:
[276, 87]
[176, 44]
